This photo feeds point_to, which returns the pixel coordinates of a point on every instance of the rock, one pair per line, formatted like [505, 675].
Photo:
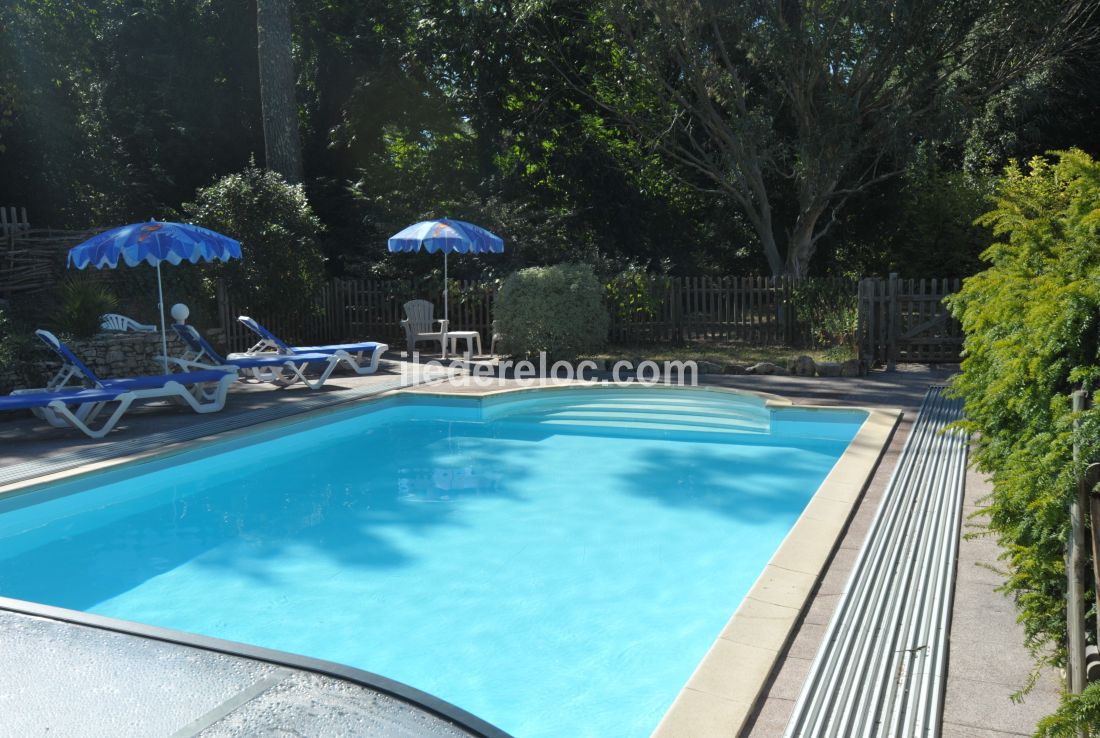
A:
[734, 369]
[828, 369]
[708, 367]
[802, 366]
[850, 368]
[766, 367]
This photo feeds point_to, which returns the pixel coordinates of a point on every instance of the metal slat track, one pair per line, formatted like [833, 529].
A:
[219, 424]
[881, 668]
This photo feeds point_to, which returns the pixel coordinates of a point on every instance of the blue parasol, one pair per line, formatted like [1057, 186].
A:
[448, 236]
[154, 242]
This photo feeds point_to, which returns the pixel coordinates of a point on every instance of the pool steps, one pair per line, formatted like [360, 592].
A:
[656, 413]
[707, 418]
[882, 666]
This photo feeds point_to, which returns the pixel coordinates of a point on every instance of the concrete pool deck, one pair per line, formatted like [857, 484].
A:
[987, 660]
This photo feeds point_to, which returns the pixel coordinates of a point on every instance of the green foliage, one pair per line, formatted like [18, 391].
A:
[1031, 338]
[1079, 714]
[806, 104]
[634, 294]
[499, 113]
[828, 308]
[930, 230]
[20, 355]
[101, 126]
[557, 309]
[282, 267]
[81, 303]
[8, 347]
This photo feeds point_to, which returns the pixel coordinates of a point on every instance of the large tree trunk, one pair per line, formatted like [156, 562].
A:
[802, 243]
[753, 197]
[282, 147]
[766, 233]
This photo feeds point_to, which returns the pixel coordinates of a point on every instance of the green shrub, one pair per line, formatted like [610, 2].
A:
[9, 344]
[635, 294]
[828, 308]
[282, 268]
[81, 303]
[20, 355]
[1031, 323]
[557, 309]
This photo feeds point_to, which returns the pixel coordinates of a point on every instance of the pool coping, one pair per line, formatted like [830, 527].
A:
[722, 692]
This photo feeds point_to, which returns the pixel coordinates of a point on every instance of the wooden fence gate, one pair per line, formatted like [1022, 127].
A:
[906, 320]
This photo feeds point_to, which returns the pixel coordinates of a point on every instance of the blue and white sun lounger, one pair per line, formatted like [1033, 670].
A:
[269, 343]
[71, 407]
[73, 370]
[64, 406]
[280, 369]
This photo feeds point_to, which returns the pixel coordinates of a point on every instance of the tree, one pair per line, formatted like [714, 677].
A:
[494, 132]
[1032, 337]
[282, 148]
[810, 103]
[283, 267]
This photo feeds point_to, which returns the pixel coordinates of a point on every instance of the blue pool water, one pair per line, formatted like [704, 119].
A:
[556, 563]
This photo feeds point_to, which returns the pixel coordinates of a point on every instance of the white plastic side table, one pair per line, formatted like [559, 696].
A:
[470, 336]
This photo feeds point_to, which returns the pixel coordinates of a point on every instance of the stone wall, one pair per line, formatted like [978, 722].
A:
[124, 354]
[109, 355]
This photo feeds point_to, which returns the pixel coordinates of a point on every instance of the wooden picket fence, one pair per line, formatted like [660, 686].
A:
[359, 309]
[906, 320]
[752, 310]
[898, 320]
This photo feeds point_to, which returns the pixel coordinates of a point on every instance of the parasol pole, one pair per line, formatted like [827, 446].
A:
[446, 301]
[163, 329]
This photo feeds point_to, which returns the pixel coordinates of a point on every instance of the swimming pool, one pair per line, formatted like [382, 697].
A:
[556, 562]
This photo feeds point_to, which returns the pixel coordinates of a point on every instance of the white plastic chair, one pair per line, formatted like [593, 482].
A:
[116, 322]
[418, 325]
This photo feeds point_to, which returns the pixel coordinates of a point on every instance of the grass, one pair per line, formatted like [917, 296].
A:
[717, 352]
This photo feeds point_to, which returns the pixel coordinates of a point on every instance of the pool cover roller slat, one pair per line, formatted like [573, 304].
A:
[882, 666]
